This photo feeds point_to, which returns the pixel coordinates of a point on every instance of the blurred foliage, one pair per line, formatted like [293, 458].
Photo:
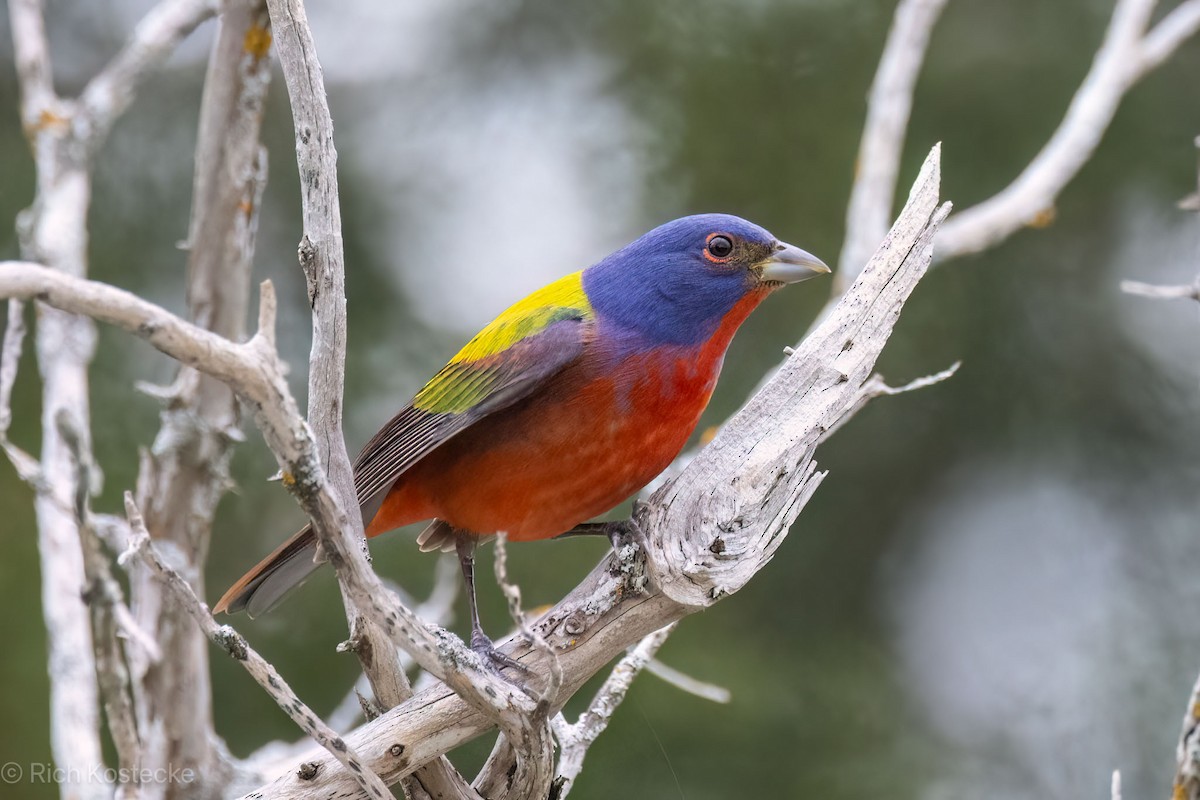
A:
[751, 108]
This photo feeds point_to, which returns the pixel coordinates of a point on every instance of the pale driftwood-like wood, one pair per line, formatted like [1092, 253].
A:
[574, 739]
[629, 595]
[888, 108]
[707, 532]
[1131, 50]
[185, 473]
[64, 135]
[232, 642]
[322, 258]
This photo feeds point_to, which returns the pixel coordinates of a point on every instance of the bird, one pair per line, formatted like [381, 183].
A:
[562, 407]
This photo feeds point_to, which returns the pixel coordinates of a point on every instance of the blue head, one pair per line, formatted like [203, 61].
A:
[676, 283]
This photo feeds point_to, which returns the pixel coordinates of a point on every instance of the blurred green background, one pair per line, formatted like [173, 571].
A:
[993, 593]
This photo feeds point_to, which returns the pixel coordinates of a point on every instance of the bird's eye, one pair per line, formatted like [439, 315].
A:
[719, 246]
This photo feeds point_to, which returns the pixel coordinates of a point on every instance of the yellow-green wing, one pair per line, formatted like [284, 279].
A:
[508, 360]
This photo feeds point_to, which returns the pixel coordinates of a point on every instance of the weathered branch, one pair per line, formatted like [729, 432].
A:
[708, 531]
[686, 683]
[705, 543]
[877, 168]
[1127, 54]
[185, 472]
[375, 613]
[103, 595]
[522, 761]
[574, 739]
[1190, 291]
[54, 230]
[259, 668]
[64, 136]
[109, 93]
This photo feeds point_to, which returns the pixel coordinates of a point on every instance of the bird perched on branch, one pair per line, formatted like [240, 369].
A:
[564, 406]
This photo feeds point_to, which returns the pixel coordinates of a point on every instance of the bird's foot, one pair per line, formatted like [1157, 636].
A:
[618, 532]
[622, 532]
[496, 660]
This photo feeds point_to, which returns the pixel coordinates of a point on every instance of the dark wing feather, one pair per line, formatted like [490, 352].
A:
[495, 382]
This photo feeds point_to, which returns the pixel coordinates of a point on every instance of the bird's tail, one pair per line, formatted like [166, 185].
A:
[261, 589]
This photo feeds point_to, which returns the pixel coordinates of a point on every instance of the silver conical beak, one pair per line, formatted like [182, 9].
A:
[790, 264]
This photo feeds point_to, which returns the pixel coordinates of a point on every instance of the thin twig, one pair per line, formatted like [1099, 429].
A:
[512, 595]
[686, 683]
[236, 646]
[103, 595]
[575, 739]
[877, 388]
[1188, 292]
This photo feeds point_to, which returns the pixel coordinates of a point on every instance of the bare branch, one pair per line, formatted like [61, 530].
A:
[63, 136]
[575, 739]
[684, 571]
[1188, 292]
[235, 645]
[185, 472]
[323, 262]
[27, 467]
[686, 683]
[32, 51]
[181, 340]
[1172, 31]
[320, 249]
[322, 259]
[10, 356]
[522, 762]
[888, 108]
[103, 595]
[1127, 54]
[743, 490]
[1187, 753]
[110, 92]
[877, 388]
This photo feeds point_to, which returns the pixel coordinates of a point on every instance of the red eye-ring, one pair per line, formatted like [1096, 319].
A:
[718, 247]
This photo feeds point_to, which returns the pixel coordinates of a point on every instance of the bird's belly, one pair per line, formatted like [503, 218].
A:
[539, 469]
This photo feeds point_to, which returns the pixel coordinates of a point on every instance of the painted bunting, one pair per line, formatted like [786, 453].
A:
[564, 406]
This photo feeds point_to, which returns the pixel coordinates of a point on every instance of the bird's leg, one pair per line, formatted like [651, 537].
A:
[616, 531]
[586, 529]
[464, 545]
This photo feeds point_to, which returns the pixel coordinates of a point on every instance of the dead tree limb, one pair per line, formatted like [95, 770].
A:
[706, 533]
[64, 134]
